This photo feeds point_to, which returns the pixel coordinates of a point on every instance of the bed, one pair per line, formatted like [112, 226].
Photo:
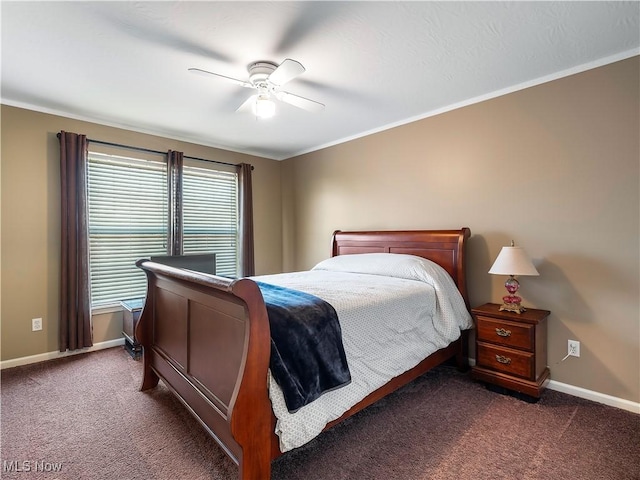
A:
[208, 338]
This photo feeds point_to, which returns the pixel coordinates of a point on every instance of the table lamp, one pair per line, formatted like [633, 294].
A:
[513, 261]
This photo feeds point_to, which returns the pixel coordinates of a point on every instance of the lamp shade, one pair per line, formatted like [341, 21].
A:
[513, 261]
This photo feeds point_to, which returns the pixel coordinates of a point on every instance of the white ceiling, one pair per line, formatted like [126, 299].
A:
[374, 65]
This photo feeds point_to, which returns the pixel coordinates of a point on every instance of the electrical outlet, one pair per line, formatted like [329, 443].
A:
[573, 348]
[36, 324]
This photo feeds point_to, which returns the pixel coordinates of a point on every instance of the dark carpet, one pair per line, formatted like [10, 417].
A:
[82, 417]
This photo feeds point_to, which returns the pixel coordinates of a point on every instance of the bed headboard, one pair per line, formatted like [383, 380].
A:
[444, 247]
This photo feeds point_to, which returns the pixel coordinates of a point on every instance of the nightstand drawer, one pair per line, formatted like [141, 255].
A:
[504, 332]
[507, 360]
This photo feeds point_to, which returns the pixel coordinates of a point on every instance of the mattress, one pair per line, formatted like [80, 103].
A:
[394, 311]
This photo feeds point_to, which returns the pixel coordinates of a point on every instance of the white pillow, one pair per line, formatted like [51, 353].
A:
[397, 265]
[449, 300]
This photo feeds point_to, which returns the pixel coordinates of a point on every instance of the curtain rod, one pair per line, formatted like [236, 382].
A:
[148, 150]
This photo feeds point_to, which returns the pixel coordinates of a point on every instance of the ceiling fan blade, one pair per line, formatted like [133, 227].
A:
[247, 106]
[287, 71]
[300, 102]
[242, 83]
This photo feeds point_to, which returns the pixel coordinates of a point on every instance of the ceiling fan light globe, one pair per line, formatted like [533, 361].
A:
[264, 108]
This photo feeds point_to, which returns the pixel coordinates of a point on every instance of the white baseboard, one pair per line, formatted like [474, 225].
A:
[42, 357]
[595, 396]
[588, 394]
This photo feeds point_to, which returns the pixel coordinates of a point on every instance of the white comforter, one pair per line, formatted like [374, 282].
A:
[394, 311]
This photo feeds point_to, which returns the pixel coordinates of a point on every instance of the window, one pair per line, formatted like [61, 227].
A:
[210, 214]
[129, 220]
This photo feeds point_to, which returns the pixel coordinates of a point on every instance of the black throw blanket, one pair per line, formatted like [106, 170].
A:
[307, 355]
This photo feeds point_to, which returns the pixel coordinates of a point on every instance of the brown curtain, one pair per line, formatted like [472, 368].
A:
[75, 298]
[247, 262]
[175, 163]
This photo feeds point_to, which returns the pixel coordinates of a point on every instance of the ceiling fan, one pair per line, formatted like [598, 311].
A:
[267, 78]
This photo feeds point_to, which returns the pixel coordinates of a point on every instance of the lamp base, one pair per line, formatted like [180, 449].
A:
[511, 302]
[512, 307]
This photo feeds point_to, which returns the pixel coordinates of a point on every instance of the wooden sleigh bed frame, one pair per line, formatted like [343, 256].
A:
[208, 339]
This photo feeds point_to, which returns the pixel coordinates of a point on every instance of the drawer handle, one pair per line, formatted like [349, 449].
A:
[505, 360]
[503, 333]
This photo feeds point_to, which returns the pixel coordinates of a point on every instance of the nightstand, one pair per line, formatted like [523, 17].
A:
[511, 349]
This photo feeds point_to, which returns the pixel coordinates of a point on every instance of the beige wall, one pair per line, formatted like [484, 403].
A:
[30, 177]
[554, 167]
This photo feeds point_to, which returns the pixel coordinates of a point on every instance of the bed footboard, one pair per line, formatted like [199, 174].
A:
[208, 339]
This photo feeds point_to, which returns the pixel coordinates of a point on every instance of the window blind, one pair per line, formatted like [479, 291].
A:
[128, 220]
[210, 214]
